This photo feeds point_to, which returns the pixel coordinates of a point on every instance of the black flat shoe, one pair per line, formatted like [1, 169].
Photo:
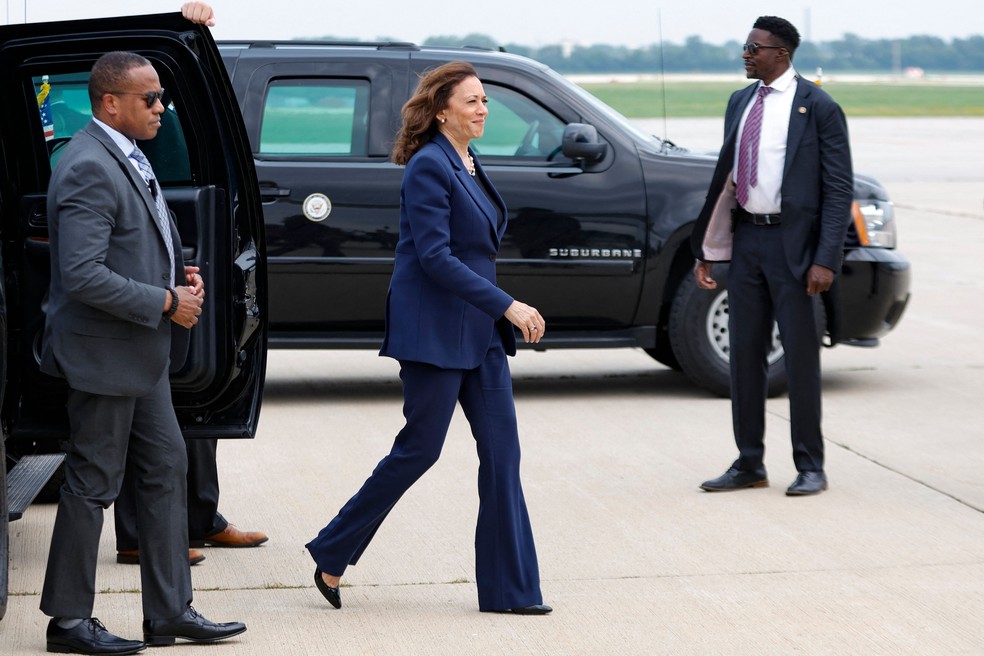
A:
[333, 596]
[88, 637]
[538, 609]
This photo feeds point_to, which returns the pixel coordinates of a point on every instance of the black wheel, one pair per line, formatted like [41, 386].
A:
[699, 337]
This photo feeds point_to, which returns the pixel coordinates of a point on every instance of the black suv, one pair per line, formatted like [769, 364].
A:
[599, 213]
[202, 159]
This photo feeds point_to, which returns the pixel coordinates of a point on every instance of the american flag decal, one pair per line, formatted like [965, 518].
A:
[47, 124]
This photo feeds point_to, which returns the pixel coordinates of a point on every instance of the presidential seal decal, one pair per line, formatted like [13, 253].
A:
[317, 207]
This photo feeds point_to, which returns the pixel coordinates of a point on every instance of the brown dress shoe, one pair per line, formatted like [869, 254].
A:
[132, 557]
[233, 537]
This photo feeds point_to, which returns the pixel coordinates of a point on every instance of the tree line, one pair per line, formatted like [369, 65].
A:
[849, 53]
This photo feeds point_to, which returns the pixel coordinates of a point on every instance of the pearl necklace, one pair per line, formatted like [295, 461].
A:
[466, 159]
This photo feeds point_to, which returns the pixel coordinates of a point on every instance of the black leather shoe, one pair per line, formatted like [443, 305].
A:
[189, 625]
[538, 609]
[736, 479]
[89, 637]
[333, 595]
[807, 483]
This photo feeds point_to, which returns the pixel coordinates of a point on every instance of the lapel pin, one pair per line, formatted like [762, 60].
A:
[802, 110]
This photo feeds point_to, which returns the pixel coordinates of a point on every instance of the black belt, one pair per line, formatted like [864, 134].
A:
[757, 219]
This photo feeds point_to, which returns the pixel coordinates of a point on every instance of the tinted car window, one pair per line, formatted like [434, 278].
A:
[63, 101]
[316, 118]
[518, 126]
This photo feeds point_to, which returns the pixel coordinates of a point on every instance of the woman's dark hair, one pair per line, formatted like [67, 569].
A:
[111, 73]
[419, 114]
[784, 31]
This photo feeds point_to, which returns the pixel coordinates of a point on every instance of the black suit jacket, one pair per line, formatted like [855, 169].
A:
[817, 184]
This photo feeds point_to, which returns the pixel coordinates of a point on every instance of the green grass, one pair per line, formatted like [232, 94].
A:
[708, 99]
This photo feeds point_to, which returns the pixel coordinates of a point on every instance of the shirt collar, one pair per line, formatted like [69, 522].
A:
[125, 144]
[782, 82]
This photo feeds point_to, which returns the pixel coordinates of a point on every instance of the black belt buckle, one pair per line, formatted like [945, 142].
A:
[757, 219]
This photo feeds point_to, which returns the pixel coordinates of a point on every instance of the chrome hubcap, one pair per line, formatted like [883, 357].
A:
[719, 337]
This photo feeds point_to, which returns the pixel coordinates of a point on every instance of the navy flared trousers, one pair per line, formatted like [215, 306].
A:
[506, 568]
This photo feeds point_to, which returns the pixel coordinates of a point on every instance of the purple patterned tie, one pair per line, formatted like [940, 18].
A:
[749, 150]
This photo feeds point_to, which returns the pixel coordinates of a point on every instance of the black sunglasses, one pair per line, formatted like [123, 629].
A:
[151, 97]
[752, 48]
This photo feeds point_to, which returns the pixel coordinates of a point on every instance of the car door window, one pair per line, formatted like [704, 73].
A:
[64, 106]
[315, 118]
[518, 127]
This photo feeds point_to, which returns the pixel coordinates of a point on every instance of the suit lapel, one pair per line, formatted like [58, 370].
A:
[494, 215]
[741, 102]
[468, 182]
[798, 119]
[136, 180]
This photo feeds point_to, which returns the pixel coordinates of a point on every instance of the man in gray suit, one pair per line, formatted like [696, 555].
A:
[111, 314]
[778, 209]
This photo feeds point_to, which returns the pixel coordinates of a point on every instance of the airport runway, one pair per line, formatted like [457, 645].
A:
[634, 558]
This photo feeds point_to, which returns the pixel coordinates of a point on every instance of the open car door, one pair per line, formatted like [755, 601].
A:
[202, 159]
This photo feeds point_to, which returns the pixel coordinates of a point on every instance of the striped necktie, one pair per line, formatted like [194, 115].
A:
[748, 152]
[163, 216]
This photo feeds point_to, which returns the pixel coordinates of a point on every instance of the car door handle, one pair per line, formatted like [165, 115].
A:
[272, 192]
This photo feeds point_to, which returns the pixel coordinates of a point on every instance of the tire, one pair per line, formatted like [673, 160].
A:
[698, 330]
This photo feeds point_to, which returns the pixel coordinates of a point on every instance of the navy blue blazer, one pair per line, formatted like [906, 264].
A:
[443, 303]
[817, 184]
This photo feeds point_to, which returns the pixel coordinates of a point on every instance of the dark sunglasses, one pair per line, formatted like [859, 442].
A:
[151, 97]
[752, 48]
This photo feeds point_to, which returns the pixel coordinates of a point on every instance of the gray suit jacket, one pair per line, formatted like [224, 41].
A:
[104, 332]
[817, 184]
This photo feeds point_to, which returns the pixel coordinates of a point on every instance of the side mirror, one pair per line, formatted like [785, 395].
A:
[581, 142]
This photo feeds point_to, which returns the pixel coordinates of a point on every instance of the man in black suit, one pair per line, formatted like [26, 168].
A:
[118, 287]
[778, 209]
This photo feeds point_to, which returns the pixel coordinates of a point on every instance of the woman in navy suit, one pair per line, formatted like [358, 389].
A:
[451, 329]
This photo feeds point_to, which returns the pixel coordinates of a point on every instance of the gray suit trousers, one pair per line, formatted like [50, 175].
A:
[106, 433]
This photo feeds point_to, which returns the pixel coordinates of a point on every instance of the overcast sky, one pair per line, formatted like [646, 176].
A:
[539, 22]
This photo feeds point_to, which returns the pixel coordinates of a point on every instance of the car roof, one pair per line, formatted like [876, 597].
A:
[473, 54]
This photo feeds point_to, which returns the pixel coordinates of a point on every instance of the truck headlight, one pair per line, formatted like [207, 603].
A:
[874, 221]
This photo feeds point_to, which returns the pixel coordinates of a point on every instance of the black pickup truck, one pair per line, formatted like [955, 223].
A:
[599, 213]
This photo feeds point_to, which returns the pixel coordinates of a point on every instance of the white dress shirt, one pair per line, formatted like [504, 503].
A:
[766, 196]
[125, 144]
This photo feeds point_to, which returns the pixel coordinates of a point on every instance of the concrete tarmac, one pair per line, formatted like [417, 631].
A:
[633, 556]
